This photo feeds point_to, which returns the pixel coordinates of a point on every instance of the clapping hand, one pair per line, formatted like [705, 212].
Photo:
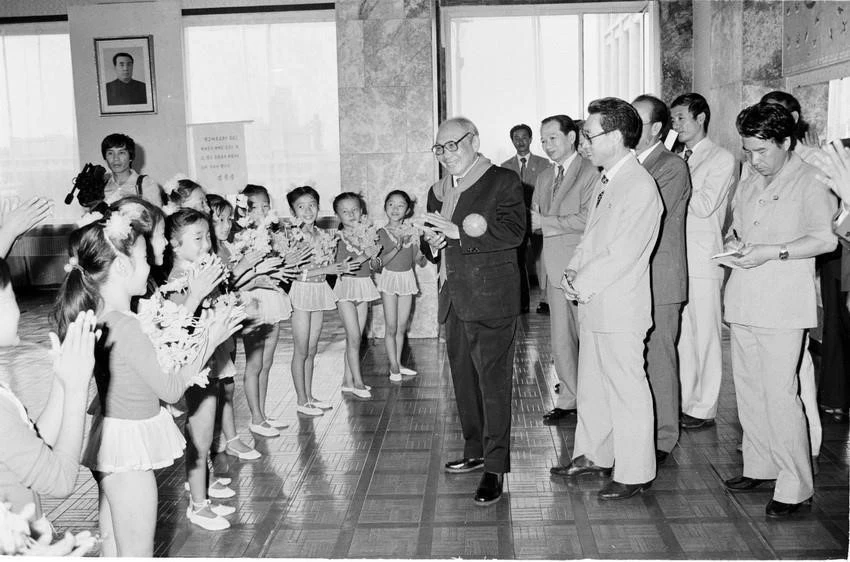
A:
[436, 240]
[202, 283]
[251, 259]
[73, 359]
[222, 323]
[346, 266]
[21, 218]
[442, 225]
[286, 272]
[298, 256]
[834, 163]
[268, 266]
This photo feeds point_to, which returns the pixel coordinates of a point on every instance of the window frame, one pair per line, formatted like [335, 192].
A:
[651, 49]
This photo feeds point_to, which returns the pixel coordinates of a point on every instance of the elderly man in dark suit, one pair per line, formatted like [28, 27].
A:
[528, 166]
[668, 268]
[477, 214]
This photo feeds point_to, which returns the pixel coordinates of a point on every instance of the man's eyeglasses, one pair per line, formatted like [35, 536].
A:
[451, 146]
[589, 138]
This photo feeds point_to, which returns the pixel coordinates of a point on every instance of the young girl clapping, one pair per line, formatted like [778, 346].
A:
[131, 433]
[397, 283]
[359, 243]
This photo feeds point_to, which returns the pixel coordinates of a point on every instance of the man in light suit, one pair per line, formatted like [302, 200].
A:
[478, 211]
[527, 166]
[609, 277]
[669, 270]
[559, 209]
[712, 174]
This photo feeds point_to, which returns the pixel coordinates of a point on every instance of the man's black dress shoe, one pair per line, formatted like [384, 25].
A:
[543, 308]
[660, 456]
[556, 414]
[617, 491]
[464, 465]
[744, 483]
[779, 510]
[580, 465]
[489, 489]
[690, 422]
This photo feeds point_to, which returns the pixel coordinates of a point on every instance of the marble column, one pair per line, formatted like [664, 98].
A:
[745, 58]
[387, 108]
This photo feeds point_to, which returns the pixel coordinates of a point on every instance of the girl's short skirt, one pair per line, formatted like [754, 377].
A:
[398, 282]
[312, 296]
[357, 289]
[120, 445]
[273, 305]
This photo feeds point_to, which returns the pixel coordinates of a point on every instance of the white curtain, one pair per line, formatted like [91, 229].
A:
[838, 114]
[38, 133]
[281, 78]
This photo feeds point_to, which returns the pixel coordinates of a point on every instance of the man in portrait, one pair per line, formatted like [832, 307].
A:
[124, 90]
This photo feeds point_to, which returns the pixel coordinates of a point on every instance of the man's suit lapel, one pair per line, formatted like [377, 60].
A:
[597, 211]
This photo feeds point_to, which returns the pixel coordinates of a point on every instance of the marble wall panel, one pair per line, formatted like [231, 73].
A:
[752, 91]
[725, 103]
[351, 71]
[417, 9]
[369, 9]
[414, 173]
[369, 118]
[726, 43]
[353, 173]
[762, 39]
[397, 52]
[677, 60]
[419, 118]
[814, 101]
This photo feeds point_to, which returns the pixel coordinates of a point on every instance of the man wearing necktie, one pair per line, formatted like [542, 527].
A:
[477, 214]
[559, 210]
[668, 268]
[609, 277]
[712, 174]
[527, 166]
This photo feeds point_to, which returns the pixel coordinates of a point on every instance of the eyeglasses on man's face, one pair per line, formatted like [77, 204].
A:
[451, 146]
[588, 138]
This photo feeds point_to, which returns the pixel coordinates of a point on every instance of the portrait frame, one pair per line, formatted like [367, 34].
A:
[122, 95]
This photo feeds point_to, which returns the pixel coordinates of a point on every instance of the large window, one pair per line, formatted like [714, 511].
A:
[38, 133]
[280, 78]
[519, 64]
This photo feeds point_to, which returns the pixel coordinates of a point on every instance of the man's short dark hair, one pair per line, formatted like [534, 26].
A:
[521, 127]
[118, 140]
[790, 103]
[116, 55]
[766, 121]
[618, 115]
[659, 113]
[565, 123]
[696, 104]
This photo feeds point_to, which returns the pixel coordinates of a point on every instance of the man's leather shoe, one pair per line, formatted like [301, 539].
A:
[660, 456]
[779, 510]
[556, 414]
[617, 491]
[489, 489]
[690, 422]
[745, 483]
[580, 465]
[543, 308]
[464, 465]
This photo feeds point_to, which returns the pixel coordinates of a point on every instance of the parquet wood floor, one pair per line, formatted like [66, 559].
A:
[366, 481]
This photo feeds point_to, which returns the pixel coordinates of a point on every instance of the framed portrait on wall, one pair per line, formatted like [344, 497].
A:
[125, 75]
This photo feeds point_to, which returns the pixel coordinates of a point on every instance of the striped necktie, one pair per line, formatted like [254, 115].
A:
[602, 192]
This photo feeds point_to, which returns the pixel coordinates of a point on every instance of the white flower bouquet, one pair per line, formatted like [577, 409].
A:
[362, 237]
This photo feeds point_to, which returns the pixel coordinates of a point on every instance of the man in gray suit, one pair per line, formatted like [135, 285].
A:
[559, 209]
[527, 166]
[668, 267]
